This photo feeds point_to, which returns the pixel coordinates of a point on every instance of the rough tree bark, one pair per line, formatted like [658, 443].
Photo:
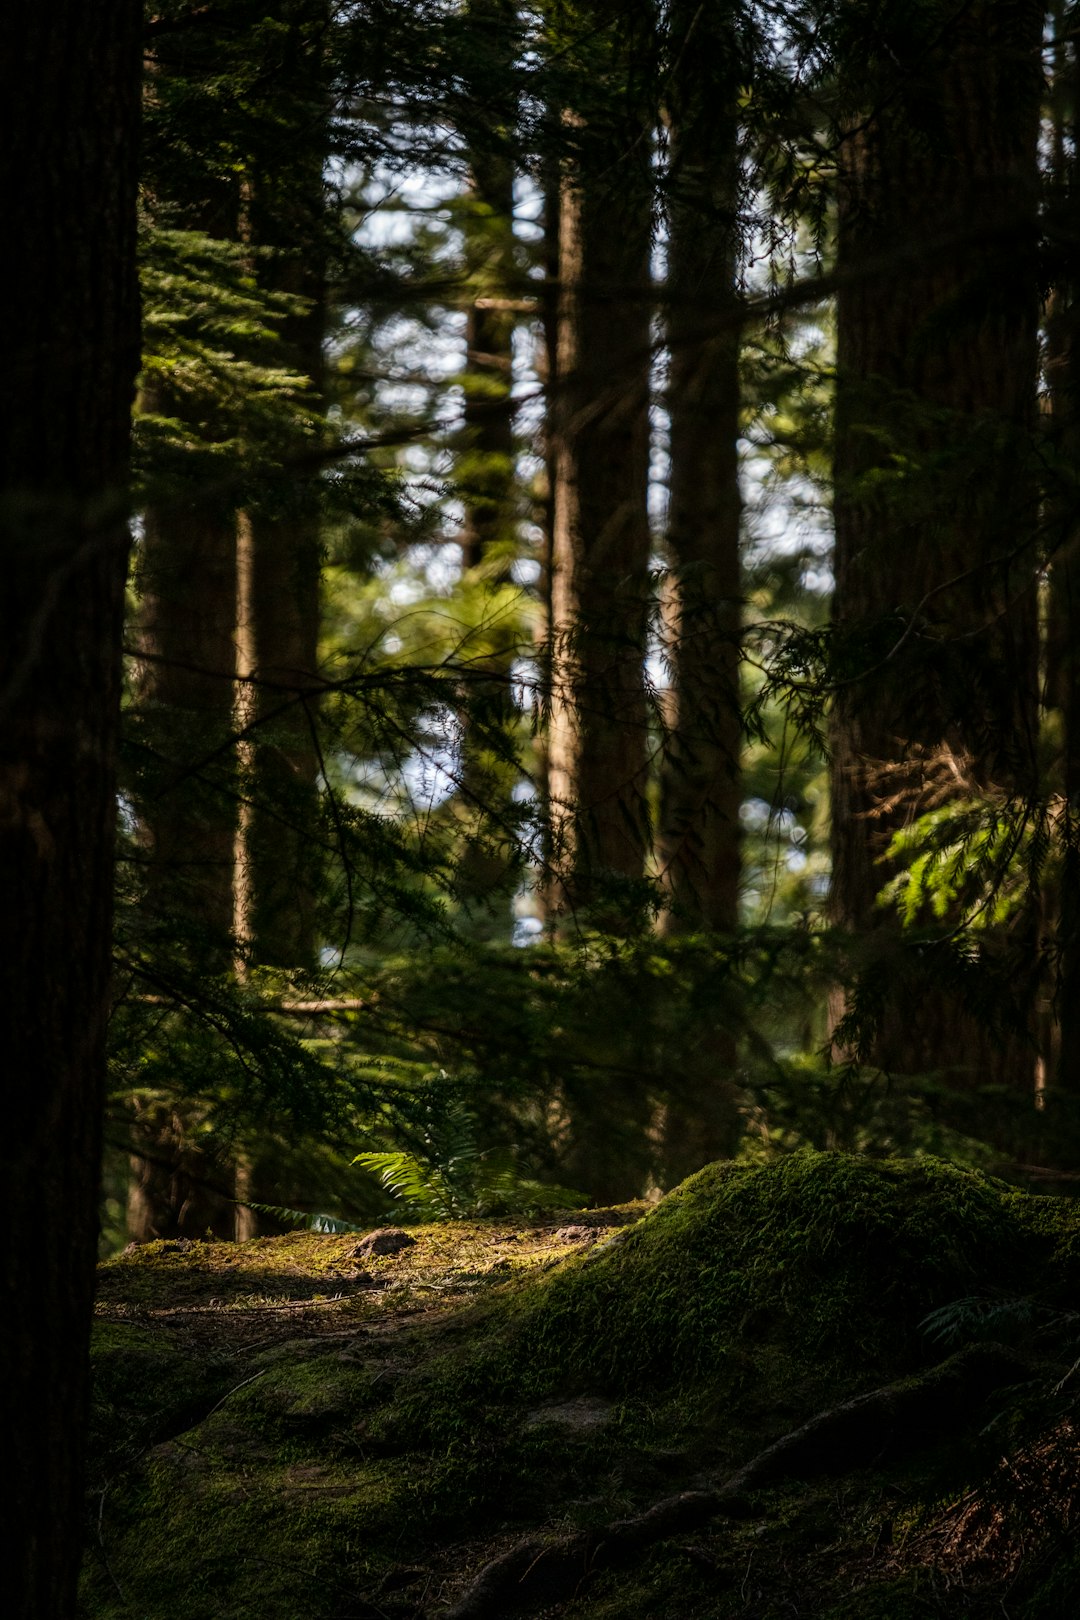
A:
[598, 742]
[69, 75]
[936, 390]
[700, 787]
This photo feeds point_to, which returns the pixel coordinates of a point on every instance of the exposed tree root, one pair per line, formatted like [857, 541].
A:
[899, 1418]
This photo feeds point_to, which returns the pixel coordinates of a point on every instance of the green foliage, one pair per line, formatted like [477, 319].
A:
[302, 1220]
[973, 863]
[215, 412]
[449, 1177]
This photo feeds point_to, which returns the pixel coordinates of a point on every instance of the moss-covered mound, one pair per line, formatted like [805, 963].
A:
[335, 1441]
[835, 1259]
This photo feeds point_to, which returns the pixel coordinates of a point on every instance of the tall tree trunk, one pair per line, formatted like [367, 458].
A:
[287, 217]
[187, 811]
[598, 736]
[698, 837]
[186, 579]
[547, 365]
[487, 479]
[598, 744]
[1063, 516]
[936, 388]
[187, 583]
[68, 355]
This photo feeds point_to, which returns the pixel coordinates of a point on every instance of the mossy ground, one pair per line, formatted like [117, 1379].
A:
[274, 1436]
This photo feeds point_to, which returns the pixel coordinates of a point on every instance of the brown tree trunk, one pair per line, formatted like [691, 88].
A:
[598, 735]
[186, 578]
[487, 480]
[598, 744]
[286, 209]
[282, 852]
[700, 788]
[1062, 903]
[187, 813]
[547, 364]
[936, 388]
[68, 355]
[187, 582]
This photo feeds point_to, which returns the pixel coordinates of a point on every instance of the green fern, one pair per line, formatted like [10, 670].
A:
[302, 1220]
[448, 1177]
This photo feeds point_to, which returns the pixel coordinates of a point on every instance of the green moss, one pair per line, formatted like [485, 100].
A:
[764, 1285]
[828, 1255]
[291, 1478]
[145, 1386]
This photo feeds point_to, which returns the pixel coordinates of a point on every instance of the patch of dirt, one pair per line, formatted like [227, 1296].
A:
[253, 1294]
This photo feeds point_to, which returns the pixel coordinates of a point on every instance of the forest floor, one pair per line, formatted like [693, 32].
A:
[728, 1405]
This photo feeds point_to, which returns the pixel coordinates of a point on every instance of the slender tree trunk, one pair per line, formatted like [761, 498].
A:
[548, 369]
[1063, 516]
[187, 582]
[487, 479]
[598, 737]
[698, 838]
[286, 209]
[186, 579]
[187, 812]
[68, 355]
[936, 388]
[281, 853]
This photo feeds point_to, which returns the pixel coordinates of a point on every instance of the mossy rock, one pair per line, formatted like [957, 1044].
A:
[348, 1455]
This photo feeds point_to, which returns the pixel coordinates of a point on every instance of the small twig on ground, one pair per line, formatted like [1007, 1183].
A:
[244, 1382]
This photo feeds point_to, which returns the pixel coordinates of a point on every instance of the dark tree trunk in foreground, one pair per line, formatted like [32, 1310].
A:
[698, 836]
[936, 379]
[69, 352]
[598, 744]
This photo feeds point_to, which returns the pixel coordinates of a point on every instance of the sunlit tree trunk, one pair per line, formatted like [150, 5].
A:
[936, 388]
[598, 745]
[68, 355]
[547, 364]
[698, 835]
[598, 737]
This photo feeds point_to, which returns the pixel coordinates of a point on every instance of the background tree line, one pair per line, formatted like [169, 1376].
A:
[597, 470]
